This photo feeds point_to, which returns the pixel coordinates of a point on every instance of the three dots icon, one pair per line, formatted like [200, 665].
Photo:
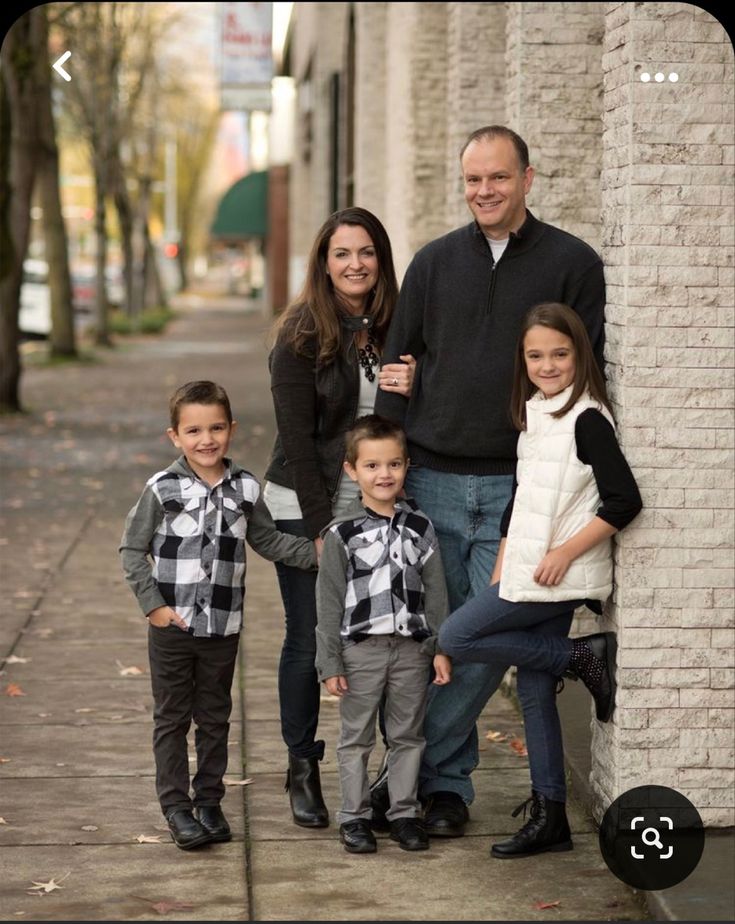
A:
[659, 77]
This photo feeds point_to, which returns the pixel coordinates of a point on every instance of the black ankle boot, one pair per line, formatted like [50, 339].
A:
[305, 791]
[593, 662]
[546, 830]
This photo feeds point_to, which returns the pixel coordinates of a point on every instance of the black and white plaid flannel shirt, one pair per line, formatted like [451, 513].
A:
[195, 534]
[378, 575]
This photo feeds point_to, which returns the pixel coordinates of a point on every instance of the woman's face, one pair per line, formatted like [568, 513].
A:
[352, 265]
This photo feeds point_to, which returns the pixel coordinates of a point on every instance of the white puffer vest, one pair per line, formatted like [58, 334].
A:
[556, 497]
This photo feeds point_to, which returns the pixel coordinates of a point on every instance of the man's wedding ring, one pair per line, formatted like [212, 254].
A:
[395, 381]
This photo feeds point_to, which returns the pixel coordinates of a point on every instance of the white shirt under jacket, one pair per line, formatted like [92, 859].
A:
[556, 497]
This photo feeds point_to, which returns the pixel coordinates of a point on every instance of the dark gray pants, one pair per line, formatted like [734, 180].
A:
[191, 678]
[394, 665]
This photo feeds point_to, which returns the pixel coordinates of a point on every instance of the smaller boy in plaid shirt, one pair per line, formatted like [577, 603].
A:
[192, 520]
[381, 597]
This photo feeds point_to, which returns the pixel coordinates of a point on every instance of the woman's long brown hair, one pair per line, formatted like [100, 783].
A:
[587, 375]
[315, 312]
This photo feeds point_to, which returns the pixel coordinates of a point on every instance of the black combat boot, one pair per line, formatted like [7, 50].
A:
[546, 830]
[305, 792]
[593, 662]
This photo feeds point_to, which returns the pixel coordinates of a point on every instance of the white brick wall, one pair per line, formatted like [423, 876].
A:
[667, 199]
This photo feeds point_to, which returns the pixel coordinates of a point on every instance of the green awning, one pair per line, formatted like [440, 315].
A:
[243, 210]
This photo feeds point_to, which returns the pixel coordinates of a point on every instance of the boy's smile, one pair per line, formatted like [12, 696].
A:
[203, 435]
[379, 470]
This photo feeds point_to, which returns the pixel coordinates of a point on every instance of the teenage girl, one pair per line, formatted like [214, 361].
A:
[573, 491]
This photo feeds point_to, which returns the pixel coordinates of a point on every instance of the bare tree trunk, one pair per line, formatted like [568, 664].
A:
[24, 50]
[125, 219]
[154, 291]
[63, 341]
[102, 336]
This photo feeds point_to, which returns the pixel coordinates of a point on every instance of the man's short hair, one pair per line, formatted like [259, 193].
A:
[372, 427]
[499, 131]
[202, 392]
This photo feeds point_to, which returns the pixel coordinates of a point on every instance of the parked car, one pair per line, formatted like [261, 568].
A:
[34, 319]
[84, 286]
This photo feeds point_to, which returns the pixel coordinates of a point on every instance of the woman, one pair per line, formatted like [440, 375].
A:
[324, 374]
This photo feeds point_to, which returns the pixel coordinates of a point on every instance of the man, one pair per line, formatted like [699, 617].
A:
[459, 313]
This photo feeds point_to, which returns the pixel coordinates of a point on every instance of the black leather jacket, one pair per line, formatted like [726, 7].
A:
[315, 406]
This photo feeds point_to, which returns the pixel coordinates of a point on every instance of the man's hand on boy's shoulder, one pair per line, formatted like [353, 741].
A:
[163, 616]
[337, 685]
[442, 669]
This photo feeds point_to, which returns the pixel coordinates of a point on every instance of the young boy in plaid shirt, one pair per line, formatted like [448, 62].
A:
[192, 520]
[381, 597]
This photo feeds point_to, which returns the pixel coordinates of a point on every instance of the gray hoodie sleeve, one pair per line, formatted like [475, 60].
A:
[331, 589]
[274, 545]
[140, 527]
[436, 600]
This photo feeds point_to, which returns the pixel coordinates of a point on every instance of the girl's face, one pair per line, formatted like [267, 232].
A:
[352, 265]
[550, 360]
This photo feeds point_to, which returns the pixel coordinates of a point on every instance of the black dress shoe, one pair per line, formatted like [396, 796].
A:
[357, 836]
[410, 834]
[213, 821]
[305, 791]
[186, 831]
[546, 830]
[593, 662]
[445, 815]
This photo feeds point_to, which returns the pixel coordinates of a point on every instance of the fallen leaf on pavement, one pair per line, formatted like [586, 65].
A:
[84, 709]
[149, 838]
[90, 828]
[519, 747]
[496, 736]
[127, 671]
[165, 907]
[13, 689]
[237, 782]
[2, 821]
[5, 760]
[541, 906]
[45, 887]
[14, 659]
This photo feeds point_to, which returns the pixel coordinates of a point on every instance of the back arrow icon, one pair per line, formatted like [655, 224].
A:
[57, 65]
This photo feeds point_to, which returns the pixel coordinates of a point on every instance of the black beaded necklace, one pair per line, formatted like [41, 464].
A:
[367, 356]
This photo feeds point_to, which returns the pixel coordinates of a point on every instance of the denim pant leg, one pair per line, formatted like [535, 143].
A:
[532, 636]
[466, 512]
[298, 683]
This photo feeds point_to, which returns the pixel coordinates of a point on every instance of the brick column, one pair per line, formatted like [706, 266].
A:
[371, 88]
[416, 120]
[475, 87]
[554, 81]
[667, 196]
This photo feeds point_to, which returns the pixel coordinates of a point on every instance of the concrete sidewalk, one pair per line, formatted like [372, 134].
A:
[77, 792]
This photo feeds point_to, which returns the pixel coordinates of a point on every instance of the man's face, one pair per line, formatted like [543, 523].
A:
[495, 187]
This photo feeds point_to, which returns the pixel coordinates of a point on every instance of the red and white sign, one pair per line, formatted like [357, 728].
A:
[247, 56]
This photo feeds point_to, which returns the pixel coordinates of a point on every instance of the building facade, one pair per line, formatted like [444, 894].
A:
[643, 171]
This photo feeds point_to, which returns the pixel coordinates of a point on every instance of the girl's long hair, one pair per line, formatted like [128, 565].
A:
[315, 313]
[587, 375]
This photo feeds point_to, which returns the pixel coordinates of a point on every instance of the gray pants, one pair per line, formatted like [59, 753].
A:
[396, 666]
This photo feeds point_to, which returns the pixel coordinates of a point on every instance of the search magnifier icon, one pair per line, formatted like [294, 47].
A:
[656, 839]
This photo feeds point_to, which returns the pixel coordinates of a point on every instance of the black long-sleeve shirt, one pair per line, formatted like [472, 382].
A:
[597, 446]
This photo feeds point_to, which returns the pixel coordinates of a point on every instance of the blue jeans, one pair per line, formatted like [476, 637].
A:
[490, 630]
[298, 683]
[466, 512]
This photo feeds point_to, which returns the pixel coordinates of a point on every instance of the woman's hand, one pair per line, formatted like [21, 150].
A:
[398, 377]
[442, 669]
